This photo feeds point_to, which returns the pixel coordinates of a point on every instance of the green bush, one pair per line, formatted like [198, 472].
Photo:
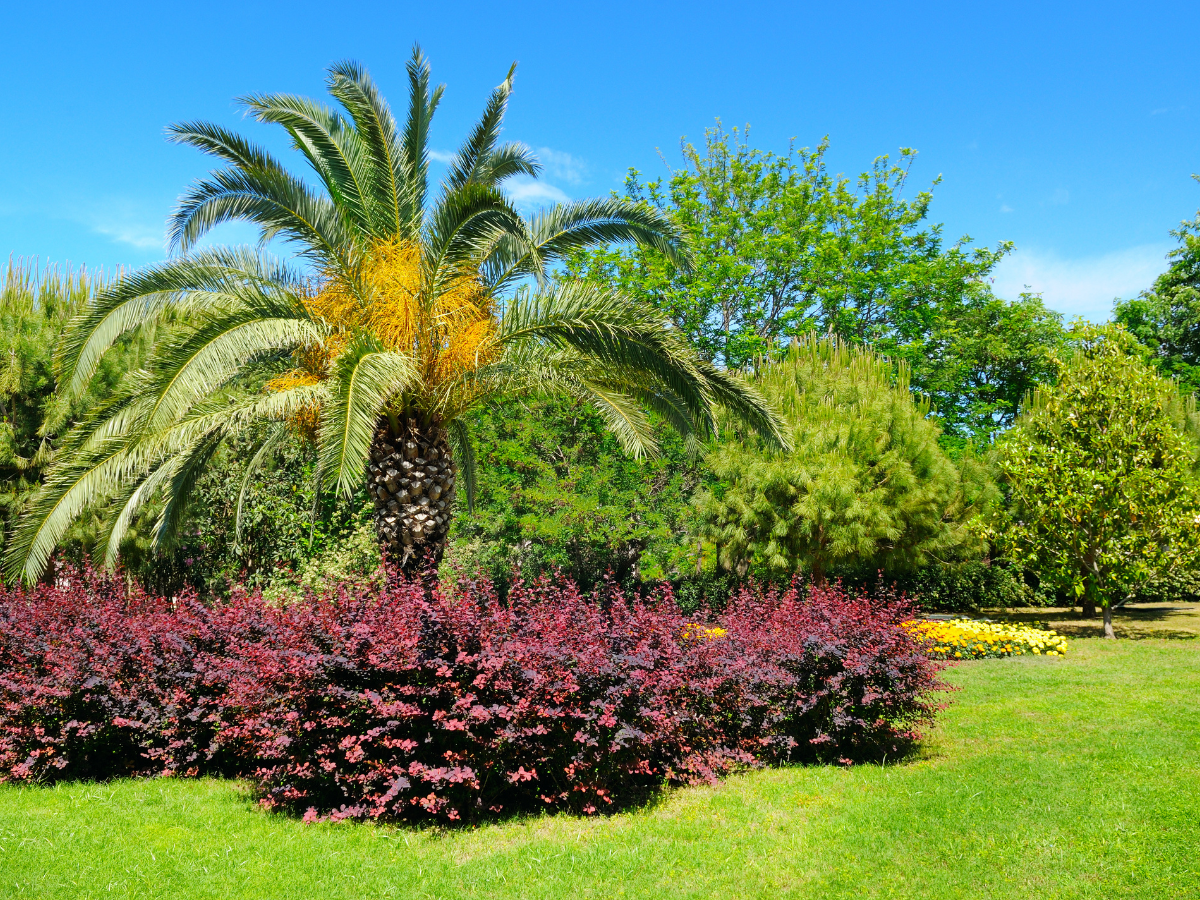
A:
[865, 486]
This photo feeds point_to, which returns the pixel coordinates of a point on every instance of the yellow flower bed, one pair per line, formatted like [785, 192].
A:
[969, 639]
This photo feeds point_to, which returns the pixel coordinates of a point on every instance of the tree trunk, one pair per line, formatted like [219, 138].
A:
[1108, 629]
[818, 571]
[1090, 591]
[411, 478]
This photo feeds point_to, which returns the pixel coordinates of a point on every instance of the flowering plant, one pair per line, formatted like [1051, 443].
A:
[973, 639]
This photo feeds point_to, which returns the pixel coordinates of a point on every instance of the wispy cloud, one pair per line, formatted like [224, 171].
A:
[528, 194]
[1083, 286]
[1061, 197]
[124, 221]
[442, 156]
[563, 166]
[140, 235]
[1005, 208]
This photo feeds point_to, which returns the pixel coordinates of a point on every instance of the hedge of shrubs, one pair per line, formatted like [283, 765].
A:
[398, 703]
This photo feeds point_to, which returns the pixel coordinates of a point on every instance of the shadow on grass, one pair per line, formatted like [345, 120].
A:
[1148, 621]
[645, 801]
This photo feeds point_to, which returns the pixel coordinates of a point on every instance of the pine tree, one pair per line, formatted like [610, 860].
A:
[865, 484]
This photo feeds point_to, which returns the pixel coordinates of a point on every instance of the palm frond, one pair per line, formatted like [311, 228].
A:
[69, 488]
[610, 328]
[567, 227]
[222, 143]
[478, 160]
[185, 474]
[201, 360]
[274, 200]
[367, 378]
[332, 149]
[741, 399]
[210, 278]
[462, 228]
[463, 448]
[624, 418]
[395, 201]
[505, 161]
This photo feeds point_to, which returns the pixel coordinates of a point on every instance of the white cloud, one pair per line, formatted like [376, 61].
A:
[125, 230]
[1005, 208]
[442, 156]
[1085, 286]
[528, 194]
[563, 166]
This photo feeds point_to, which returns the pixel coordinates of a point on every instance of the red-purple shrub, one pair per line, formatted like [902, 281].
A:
[97, 680]
[397, 703]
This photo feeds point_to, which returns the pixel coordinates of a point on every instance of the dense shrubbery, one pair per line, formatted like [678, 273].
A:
[400, 704]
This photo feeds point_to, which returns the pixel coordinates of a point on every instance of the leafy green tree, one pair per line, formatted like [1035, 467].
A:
[1167, 317]
[420, 310]
[1101, 474]
[756, 222]
[985, 359]
[865, 485]
[783, 248]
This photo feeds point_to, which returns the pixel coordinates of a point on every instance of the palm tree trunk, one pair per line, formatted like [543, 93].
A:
[411, 478]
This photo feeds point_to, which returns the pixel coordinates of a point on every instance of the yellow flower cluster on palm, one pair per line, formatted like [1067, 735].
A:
[448, 332]
[970, 639]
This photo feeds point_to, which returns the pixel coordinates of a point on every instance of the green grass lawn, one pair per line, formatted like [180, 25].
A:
[1057, 778]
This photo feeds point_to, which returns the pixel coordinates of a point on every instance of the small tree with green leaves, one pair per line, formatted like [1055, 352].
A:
[865, 485]
[1100, 473]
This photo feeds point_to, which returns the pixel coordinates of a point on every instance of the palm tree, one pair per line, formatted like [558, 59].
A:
[408, 313]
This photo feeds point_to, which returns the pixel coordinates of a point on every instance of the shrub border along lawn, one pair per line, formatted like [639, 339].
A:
[1064, 778]
[396, 703]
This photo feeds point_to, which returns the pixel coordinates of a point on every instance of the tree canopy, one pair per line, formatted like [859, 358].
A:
[1166, 318]
[1100, 471]
[783, 247]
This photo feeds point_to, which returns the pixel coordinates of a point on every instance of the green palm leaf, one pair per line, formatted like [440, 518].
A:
[367, 379]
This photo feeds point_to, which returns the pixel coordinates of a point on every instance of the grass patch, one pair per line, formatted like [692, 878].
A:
[1046, 777]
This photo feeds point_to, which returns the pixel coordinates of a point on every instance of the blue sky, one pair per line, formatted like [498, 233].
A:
[1071, 129]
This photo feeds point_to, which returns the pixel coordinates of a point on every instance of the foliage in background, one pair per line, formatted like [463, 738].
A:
[293, 535]
[420, 306]
[1166, 318]
[556, 490]
[1101, 475]
[35, 307]
[980, 362]
[864, 485]
[783, 247]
